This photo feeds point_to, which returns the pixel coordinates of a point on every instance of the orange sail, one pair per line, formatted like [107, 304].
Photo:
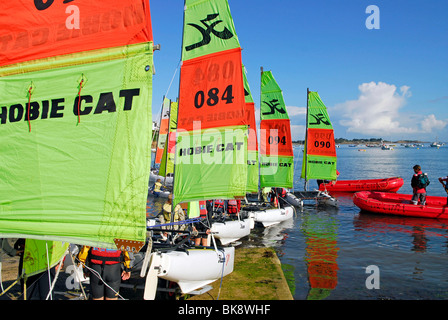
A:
[37, 29]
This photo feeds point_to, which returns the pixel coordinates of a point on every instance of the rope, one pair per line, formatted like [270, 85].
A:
[48, 270]
[30, 88]
[79, 99]
[56, 276]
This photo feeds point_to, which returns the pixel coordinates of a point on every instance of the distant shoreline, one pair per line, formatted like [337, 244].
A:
[378, 142]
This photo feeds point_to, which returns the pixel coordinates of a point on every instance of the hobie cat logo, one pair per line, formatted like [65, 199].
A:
[209, 29]
[320, 118]
[273, 104]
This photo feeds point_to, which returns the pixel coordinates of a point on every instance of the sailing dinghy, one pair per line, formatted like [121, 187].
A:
[319, 156]
[211, 142]
[230, 227]
[276, 153]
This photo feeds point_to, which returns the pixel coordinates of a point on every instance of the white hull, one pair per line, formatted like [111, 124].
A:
[271, 216]
[231, 231]
[197, 268]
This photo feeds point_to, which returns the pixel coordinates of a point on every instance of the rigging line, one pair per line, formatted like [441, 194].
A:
[57, 275]
[175, 71]
[169, 87]
[48, 271]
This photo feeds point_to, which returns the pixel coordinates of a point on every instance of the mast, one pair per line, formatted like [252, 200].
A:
[177, 118]
[305, 158]
[259, 164]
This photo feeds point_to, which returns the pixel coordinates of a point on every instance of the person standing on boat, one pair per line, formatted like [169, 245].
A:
[445, 185]
[157, 187]
[107, 272]
[265, 193]
[418, 188]
[165, 215]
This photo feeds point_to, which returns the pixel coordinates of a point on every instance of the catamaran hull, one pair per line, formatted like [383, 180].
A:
[293, 200]
[196, 268]
[231, 231]
[269, 217]
[321, 197]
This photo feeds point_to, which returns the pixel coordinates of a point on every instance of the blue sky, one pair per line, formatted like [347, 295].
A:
[389, 83]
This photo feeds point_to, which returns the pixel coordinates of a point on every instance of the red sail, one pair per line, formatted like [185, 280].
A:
[37, 29]
[211, 91]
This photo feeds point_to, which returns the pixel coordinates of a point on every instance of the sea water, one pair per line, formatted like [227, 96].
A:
[330, 252]
[341, 253]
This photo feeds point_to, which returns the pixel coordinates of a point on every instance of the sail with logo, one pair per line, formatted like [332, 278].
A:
[319, 157]
[276, 153]
[211, 151]
[276, 167]
[75, 120]
[211, 139]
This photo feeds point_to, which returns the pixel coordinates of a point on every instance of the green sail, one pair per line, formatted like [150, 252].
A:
[210, 164]
[276, 155]
[319, 158]
[208, 28]
[80, 179]
[40, 255]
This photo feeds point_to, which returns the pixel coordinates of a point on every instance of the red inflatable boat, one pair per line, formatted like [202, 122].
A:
[401, 205]
[388, 184]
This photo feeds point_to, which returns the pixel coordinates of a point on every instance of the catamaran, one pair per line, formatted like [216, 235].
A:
[276, 166]
[211, 140]
[319, 156]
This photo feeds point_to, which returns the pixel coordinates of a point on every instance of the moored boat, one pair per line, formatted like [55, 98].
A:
[196, 268]
[388, 184]
[268, 215]
[228, 231]
[401, 205]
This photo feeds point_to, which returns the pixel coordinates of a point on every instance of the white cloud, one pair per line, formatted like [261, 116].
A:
[376, 111]
[430, 122]
[296, 111]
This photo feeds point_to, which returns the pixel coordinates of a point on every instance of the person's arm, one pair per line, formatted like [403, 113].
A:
[126, 274]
